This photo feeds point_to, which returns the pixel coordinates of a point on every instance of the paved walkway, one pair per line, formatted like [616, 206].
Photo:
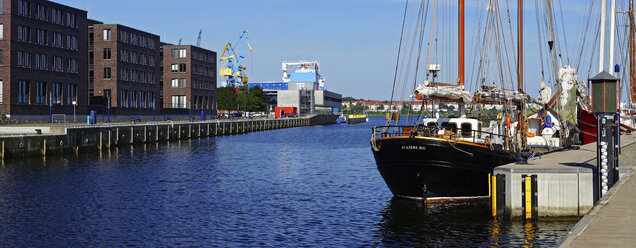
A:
[612, 222]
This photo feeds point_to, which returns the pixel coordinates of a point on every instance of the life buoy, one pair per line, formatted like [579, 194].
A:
[475, 99]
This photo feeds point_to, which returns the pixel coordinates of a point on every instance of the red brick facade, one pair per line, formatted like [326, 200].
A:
[126, 66]
[189, 78]
[44, 58]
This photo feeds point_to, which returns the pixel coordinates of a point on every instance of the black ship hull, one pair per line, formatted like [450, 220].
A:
[423, 167]
[356, 120]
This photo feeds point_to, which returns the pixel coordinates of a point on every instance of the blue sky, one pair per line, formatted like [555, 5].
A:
[356, 41]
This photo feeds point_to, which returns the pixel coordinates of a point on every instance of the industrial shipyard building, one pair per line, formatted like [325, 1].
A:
[303, 89]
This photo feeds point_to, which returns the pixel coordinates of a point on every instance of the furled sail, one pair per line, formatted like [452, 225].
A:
[434, 90]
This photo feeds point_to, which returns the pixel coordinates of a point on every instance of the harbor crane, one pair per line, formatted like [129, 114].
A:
[231, 68]
[199, 38]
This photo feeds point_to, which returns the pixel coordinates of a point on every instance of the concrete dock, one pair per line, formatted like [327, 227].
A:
[612, 221]
[94, 138]
[566, 181]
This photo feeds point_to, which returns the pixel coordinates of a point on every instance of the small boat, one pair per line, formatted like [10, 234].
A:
[342, 119]
[355, 119]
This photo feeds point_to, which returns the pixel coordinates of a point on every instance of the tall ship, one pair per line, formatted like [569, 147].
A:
[427, 154]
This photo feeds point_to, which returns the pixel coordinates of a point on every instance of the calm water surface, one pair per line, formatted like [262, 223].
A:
[309, 186]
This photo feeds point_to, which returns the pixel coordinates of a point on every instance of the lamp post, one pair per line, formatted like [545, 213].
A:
[74, 104]
[50, 107]
[604, 106]
[109, 103]
[152, 101]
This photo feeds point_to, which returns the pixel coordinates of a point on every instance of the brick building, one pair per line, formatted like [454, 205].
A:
[125, 68]
[43, 59]
[189, 78]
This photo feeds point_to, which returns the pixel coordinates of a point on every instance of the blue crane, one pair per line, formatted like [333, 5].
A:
[231, 68]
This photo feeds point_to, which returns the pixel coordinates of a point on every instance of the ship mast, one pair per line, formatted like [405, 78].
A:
[612, 34]
[521, 119]
[601, 51]
[461, 43]
[632, 53]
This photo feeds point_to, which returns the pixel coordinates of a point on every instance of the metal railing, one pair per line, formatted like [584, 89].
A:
[424, 131]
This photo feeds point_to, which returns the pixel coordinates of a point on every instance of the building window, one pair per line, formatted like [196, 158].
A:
[71, 94]
[175, 83]
[175, 67]
[106, 34]
[26, 59]
[24, 8]
[57, 39]
[57, 63]
[107, 54]
[107, 73]
[40, 93]
[56, 93]
[40, 12]
[1, 30]
[20, 59]
[151, 100]
[133, 99]
[23, 91]
[182, 53]
[182, 83]
[142, 99]
[43, 61]
[182, 67]
[178, 101]
[24, 33]
[1, 82]
[40, 36]
[174, 53]
[71, 20]
[74, 65]
[122, 98]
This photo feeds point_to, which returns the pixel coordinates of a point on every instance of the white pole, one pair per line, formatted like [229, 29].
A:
[601, 55]
[611, 48]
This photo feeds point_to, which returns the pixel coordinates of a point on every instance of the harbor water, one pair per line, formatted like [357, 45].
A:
[296, 187]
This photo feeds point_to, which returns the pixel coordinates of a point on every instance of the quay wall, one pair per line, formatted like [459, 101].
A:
[87, 138]
[566, 182]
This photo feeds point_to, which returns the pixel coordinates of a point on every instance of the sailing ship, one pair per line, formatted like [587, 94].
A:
[452, 156]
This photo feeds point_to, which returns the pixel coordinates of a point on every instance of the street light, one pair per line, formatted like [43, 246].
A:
[74, 104]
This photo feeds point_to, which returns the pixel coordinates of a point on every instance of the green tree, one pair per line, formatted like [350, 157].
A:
[230, 98]
[227, 98]
[381, 107]
[257, 99]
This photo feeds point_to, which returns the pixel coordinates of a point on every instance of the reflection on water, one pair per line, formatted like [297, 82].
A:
[412, 223]
[308, 186]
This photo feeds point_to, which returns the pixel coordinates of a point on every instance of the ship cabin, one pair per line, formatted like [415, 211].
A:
[457, 127]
